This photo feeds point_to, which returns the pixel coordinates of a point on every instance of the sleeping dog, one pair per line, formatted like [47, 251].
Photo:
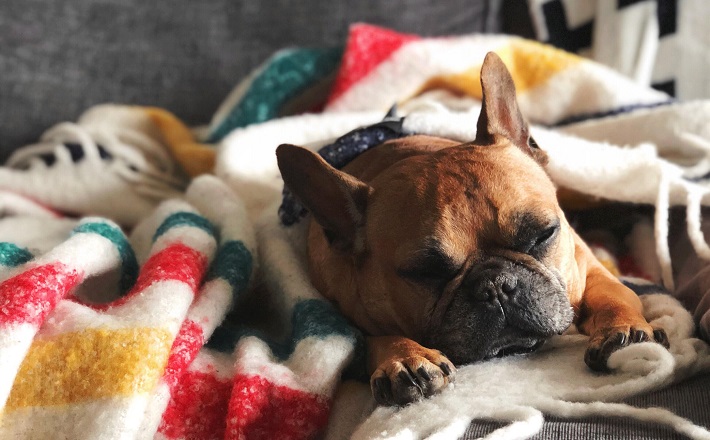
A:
[446, 253]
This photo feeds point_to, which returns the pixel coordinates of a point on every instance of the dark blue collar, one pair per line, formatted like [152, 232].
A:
[342, 152]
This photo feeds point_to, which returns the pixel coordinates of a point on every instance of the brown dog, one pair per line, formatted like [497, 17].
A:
[446, 252]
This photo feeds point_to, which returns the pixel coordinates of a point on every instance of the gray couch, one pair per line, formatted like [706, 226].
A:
[58, 58]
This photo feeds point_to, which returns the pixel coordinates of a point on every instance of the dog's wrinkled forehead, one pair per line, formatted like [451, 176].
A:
[466, 197]
[491, 177]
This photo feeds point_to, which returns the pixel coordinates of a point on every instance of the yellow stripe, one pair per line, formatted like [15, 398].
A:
[607, 259]
[96, 363]
[195, 158]
[530, 64]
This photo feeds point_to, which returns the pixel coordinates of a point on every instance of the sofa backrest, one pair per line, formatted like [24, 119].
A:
[58, 58]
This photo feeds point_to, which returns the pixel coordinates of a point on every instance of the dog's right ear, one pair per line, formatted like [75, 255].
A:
[337, 200]
[500, 114]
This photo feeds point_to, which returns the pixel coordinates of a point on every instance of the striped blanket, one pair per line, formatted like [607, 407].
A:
[105, 335]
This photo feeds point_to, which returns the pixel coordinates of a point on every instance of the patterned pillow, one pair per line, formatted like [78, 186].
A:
[662, 43]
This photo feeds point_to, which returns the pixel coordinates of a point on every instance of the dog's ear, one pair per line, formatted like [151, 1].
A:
[337, 200]
[500, 114]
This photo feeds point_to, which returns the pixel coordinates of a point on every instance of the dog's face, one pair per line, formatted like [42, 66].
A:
[462, 247]
[466, 250]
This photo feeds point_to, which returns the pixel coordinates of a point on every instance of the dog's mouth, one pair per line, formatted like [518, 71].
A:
[517, 348]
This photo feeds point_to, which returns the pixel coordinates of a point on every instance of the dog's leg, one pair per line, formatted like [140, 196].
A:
[404, 371]
[611, 314]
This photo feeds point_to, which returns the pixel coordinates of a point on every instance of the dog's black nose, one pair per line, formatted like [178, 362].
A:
[483, 292]
[509, 285]
[501, 287]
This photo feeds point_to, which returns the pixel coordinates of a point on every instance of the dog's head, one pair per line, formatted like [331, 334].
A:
[462, 247]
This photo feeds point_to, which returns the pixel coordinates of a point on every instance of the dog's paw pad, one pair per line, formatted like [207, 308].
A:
[407, 380]
[602, 345]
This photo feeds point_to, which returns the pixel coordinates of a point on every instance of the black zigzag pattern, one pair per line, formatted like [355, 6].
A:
[667, 17]
[560, 35]
[667, 11]
[665, 86]
[624, 3]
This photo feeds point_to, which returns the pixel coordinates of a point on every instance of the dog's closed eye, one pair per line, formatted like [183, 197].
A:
[429, 265]
[532, 143]
[543, 239]
[534, 235]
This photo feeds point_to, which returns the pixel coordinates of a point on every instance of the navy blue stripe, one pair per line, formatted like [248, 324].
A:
[644, 289]
[617, 111]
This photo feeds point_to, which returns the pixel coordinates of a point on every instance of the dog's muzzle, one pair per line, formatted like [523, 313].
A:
[502, 307]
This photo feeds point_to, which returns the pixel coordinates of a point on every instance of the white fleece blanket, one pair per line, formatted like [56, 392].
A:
[655, 154]
[556, 382]
[518, 389]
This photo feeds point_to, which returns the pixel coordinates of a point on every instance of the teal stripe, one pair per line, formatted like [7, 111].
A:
[227, 335]
[312, 317]
[233, 262]
[287, 73]
[315, 317]
[320, 319]
[129, 263]
[11, 255]
[184, 219]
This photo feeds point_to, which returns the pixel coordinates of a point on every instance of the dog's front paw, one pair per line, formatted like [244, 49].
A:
[606, 341]
[406, 380]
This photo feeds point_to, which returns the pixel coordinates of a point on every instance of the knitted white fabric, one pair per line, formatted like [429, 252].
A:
[596, 168]
[123, 170]
[553, 381]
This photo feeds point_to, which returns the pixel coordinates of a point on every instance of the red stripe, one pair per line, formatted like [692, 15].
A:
[40, 205]
[367, 47]
[176, 262]
[187, 344]
[30, 296]
[628, 267]
[197, 408]
[260, 410]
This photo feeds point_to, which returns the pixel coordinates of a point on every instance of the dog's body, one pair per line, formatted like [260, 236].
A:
[442, 251]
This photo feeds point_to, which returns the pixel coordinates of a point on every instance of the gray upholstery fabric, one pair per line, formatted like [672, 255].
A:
[690, 399]
[58, 58]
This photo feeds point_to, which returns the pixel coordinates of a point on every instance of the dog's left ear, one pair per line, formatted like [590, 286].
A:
[337, 200]
[500, 114]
